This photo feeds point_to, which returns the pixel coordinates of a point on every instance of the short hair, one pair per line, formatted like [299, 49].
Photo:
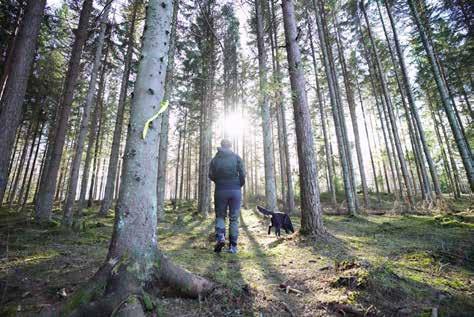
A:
[226, 144]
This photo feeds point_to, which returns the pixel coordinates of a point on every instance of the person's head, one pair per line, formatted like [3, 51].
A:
[226, 144]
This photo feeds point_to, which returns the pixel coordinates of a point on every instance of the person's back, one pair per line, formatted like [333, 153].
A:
[227, 172]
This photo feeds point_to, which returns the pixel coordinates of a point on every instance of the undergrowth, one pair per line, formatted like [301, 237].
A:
[374, 265]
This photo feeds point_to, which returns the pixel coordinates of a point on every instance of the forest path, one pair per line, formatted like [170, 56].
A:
[369, 265]
[373, 265]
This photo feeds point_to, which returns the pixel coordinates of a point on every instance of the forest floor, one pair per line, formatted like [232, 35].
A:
[371, 265]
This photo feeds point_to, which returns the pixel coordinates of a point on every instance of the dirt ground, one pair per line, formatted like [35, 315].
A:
[372, 265]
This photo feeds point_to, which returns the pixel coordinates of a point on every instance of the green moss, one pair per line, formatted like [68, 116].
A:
[148, 301]
[83, 296]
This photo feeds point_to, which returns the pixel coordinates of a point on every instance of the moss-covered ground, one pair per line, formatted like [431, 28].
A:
[373, 265]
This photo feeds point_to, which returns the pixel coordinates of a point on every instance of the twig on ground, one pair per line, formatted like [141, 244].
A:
[287, 308]
[288, 289]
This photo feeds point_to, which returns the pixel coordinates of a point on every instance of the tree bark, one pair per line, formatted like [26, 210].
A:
[355, 127]
[20, 164]
[422, 173]
[367, 135]
[30, 155]
[114, 152]
[208, 70]
[92, 142]
[286, 174]
[14, 93]
[183, 160]
[411, 102]
[322, 113]
[388, 104]
[33, 166]
[269, 164]
[346, 170]
[163, 148]
[311, 211]
[134, 263]
[79, 148]
[461, 142]
[44, 201]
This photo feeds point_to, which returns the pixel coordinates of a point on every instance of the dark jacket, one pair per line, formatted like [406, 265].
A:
[227, 170]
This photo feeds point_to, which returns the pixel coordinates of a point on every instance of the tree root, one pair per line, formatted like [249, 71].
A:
[118, 289]
[183, 282]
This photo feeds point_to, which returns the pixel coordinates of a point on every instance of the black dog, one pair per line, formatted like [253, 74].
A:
[279, 220]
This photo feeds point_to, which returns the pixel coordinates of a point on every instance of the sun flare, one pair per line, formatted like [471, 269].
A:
[233, 124]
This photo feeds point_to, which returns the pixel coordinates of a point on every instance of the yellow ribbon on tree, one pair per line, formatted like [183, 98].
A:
[163, 106]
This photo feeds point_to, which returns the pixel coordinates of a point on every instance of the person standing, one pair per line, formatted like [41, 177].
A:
[228, 173]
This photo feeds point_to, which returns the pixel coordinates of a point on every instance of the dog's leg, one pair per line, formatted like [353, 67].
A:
[269, 229]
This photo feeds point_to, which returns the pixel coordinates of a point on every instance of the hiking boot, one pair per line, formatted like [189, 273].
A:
[219, 245]
[220, 242]
[232, 249]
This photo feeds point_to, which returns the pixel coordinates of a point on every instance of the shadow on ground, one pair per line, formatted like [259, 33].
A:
[373, 265]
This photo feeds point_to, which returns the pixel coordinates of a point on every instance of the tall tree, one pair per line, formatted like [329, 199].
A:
[270, 182]
[117, 136]
[322, 113]
[336, 111]
[283, 133]
[311, 212]
[412, 104]
[461, 142]
[44, 202]
[134, 262]
[76, 161]
[389, 107]
[207, 46]
[14, 93]
[163, 147]
[348, 77]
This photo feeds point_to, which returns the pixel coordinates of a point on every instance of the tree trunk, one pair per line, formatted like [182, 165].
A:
[114, 152]
[388, 103]
[134, 263]
[30, 177]
[461, 142]
[163, 147]
[367, 135]
[183, 161]
[176, 176]
[346, 170]
[270, 183]
[322, 112]
[208, 70]
[355, 127]
[286, 174]
[20, 163]
[92, 142]
[97, 153]
[16, 148]
[311, 212]
[28, 160]
[422, 173]
[44, 202]
[13, 96]
[8, 61]
[411, 102]
[79, 148]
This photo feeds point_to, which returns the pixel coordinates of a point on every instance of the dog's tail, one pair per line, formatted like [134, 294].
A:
[265, 211]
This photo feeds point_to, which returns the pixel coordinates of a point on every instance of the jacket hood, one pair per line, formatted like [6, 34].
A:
[224, 151]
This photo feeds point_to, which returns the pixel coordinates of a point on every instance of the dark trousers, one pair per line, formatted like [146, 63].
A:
[227, 199]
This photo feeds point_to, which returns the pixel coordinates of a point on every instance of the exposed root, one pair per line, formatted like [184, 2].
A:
[118, 288]
[182, 281]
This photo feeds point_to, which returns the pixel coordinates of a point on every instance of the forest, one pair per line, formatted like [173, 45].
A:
[351, 118]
